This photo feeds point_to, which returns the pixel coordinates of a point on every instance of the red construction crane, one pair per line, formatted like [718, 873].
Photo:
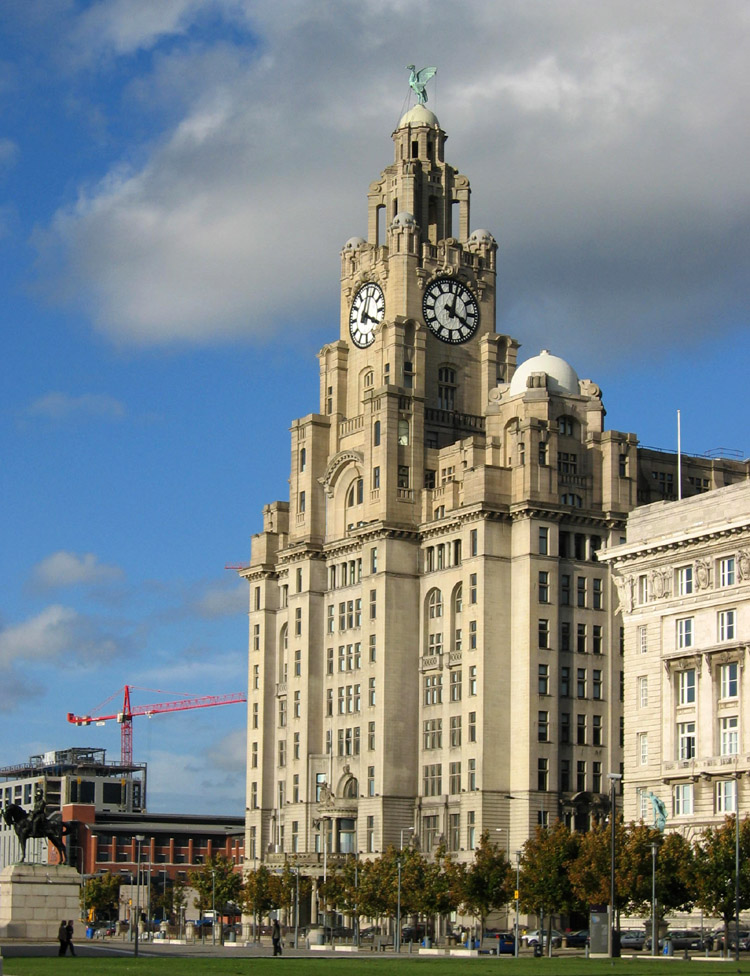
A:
[125, 717]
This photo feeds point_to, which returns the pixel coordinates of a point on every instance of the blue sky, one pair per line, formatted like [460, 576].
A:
[176, 181]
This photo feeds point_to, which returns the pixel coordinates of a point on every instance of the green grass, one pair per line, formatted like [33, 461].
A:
[241, 966]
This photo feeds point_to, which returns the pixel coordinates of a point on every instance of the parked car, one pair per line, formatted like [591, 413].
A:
[532, 938]
[718, 939]
[632, 939]
[577, 940]
[681, 939]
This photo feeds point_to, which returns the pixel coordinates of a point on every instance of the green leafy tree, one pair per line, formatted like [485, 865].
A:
[379, 883]
[172, 899]
[488, 882]
[590, 874]
[545, 884]
[675, 871]
[715, 872]
[218, 885]
[257, 895]
[283, 889]
[100, 897]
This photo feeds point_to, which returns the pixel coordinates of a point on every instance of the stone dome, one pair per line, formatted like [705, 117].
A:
[404, 219]
[561, 377]
[481, 237]
[419, 115]
[354, 243]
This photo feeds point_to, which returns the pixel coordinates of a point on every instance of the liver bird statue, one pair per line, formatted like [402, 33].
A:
[418, 81]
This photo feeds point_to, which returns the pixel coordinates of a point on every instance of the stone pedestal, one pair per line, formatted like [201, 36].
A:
[35, 898]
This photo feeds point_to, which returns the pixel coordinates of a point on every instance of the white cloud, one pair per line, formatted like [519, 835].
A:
[54, 634]
[63, 406]
[602, 142]
[221, 601]
[71, 569]
[230, 752]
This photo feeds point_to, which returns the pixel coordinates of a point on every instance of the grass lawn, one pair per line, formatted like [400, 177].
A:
[557, 966]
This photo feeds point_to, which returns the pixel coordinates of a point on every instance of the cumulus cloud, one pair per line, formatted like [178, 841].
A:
[71, 569]
[54, 634]
[63, 406]
[603, 142]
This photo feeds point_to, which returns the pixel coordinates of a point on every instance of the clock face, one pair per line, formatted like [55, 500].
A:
[450, 310]
[367, 312]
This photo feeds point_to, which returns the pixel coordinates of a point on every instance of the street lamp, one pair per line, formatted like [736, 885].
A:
[404, 830]
[654, 847]
[213, 906]
[736, 865]
[614, 779]
[139, 838]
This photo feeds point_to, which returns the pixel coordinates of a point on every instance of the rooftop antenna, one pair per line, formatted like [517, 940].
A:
[679, 458]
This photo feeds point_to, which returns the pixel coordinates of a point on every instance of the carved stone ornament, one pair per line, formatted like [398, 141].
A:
[702, 574]
[659, 583]
[743, 565]
[625, 588]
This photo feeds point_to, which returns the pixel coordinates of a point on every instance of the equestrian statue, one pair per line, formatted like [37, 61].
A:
[37, 824]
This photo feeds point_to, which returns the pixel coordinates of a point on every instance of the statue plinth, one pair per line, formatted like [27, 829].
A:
[35, 898]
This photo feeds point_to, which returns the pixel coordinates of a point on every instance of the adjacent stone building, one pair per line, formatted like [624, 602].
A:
[435, 648]
[684, 583]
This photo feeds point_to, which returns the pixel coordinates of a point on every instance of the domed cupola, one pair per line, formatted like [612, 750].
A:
[545, 371]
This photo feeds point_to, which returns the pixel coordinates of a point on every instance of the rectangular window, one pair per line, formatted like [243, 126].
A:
[282, 712]
[455, 685]
[370, 691]
[471, 830]
[581, 775]
[432, 733]
[581, 591]
[596, 639]
[295, 788]
[473, 588]
[373, 648]
[255, 715]
[454, 831]
[256, 637]
[564, 636]
[282, 753]
[472, 726]
[729, 735]
[473, 680]
[297, 707]
[433, 689]
[682, 800]
[727, 572]
[542, 774]
[454, 780]
[432, 780]
[472, 635]
[596, 777]
[565, 727]
[643, 748]
[254, 756]
[581, 683]
[371, 736]
[565, 682]
[256, 676]
[543, 726]
[581, 730]
[643, 589]
[543, 679]
[729, 680]
[643, 691]
[298, 621]
[727, 625]
[596, 730]
[543, 632]
[473, 542]
[596, 685]
[581, 638]
[565, 590]
[373, 604]
[403, 476]
[455, 731]
[597, 596]
[330, 619]
[544, 587]
[543, 541]
[686, 687]
[684, 580]
[686, 740]
[472, 778]
[726, 796]
[297, 663]
[296, 745]
[685, 632]
[565, 775]
[642, 638]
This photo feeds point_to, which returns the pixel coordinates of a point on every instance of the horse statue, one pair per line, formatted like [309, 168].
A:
[27, 826]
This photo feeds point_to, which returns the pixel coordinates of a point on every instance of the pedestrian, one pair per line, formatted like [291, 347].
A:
[69, 937]
[62, 937]
[276, 937]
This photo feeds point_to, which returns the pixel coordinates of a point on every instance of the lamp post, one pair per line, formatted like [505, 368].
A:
[139, 838]
[213, 906]
[614, 779]
[736, 865]
[404, 830]
[518, 886]
[654, 847]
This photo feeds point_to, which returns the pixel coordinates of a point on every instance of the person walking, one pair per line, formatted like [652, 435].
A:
[276, 937]
[62, 937]
[69, 937]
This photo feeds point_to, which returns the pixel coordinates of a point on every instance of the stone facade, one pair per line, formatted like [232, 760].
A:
[434, 643]
[35, 898]
[684, 583]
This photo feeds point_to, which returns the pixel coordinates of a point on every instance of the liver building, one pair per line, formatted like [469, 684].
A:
[435, 649]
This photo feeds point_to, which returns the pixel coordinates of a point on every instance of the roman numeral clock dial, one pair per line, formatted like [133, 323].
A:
[450, 310]
[367, 312]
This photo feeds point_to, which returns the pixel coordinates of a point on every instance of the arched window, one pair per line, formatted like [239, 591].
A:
[351, 789]
[356, 493]
[369, 378]
[458, 598]
[434, 604]
[447, 388]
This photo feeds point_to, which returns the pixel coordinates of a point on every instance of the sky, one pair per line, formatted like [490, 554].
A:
[177, 179]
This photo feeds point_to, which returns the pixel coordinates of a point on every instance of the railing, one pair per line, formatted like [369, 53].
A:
[351, 425]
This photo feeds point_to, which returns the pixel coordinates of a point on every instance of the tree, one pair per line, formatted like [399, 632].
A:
[715, 870]
[257, 897]
[488, 882]
[218, 885]
[283, 889]
[675, 871]
[544, 885]
[590, 874]
[100, 895]
[172, 899]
